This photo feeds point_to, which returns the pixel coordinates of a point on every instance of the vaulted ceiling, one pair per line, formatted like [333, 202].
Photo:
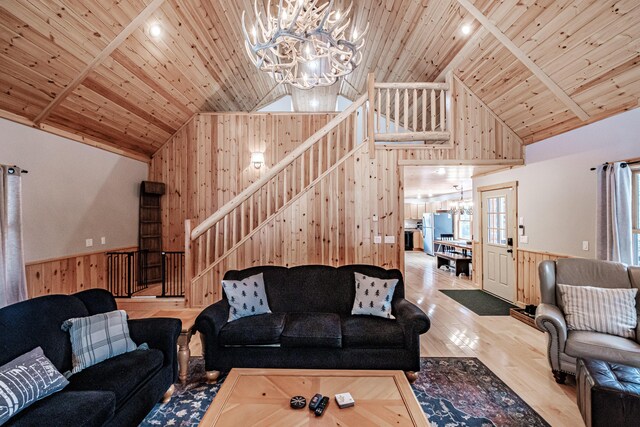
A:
[90, 68]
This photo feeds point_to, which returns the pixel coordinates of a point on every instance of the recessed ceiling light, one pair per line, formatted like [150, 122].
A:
[466, 29]
[314, 103]
[155, 30]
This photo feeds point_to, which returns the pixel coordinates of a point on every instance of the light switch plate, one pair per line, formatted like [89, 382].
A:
[585, 245]
[521, 220]
[103, 240]
[375, 218]
[389, 239]
[377, 239]
[89, 242]
[524, 239]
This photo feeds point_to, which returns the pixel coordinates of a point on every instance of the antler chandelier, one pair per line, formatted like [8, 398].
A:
[461, 207]
[305, 44]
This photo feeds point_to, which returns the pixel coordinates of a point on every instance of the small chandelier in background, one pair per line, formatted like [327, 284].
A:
[304, 44]
[461, 207]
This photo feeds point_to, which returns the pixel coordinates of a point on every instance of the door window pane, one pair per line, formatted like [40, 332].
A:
[497, 220]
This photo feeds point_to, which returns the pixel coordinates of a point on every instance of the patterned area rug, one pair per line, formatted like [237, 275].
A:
[453, 392]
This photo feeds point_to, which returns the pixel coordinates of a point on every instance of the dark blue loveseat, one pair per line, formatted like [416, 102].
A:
[116, 392]
[310, 297]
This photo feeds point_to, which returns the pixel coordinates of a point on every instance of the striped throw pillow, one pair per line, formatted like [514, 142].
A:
[609, 311]
[97, 338]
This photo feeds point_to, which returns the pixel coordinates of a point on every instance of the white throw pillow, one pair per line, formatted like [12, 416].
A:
[246, 297]
[373, 296]
[609, 311]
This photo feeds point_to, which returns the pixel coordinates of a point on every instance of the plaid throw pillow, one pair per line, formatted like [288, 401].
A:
[25, 380]
[606, 310]
[97, 338]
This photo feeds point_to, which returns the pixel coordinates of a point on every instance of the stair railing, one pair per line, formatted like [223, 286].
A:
[230, 226]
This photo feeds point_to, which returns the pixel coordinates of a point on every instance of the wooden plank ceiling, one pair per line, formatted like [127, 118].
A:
[119, 88]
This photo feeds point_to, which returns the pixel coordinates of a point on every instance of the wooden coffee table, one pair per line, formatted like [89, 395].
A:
[260, 397]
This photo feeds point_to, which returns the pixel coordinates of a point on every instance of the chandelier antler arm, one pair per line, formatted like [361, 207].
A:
[259, 18]
[296, 14]
[341, 19]
[327, 12]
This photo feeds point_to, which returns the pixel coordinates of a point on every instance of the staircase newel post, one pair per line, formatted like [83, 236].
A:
[188, 263]
[371, 115]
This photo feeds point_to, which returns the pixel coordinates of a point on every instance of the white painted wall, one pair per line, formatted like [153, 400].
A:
[557, 189]
[72, 192]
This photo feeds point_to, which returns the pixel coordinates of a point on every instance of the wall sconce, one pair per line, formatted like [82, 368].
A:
[257, 159]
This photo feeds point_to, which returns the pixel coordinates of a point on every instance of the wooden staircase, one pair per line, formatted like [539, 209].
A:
[393, 113]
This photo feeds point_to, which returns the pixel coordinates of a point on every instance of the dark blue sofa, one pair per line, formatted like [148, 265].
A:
[117, 392]
[319, 300]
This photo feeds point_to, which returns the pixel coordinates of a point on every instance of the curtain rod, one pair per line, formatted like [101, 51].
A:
[11, 170]
[623, 165]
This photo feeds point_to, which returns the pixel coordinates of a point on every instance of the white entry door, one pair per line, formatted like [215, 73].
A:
[498, 257]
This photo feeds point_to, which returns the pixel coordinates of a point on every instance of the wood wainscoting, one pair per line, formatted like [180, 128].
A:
[70, 274]
[528, 279]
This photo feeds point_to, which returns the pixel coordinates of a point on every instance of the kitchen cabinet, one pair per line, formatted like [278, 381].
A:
[414, 210]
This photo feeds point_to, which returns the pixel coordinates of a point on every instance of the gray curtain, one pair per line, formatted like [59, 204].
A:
[614, 213]
[13, 281]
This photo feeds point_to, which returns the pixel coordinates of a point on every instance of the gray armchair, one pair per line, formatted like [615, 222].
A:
[565, 346]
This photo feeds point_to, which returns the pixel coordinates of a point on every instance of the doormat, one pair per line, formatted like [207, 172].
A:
[452, 391]
[480, 302]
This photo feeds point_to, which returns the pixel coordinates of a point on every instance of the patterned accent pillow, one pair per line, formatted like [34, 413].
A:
[609, 311]
[373, 296]
[25, 380]
[97, 338]
[246, 297]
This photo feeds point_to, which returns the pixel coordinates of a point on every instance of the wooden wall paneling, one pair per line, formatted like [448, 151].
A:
[67, 275]
[296, 233]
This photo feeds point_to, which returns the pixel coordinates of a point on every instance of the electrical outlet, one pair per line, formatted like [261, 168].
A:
[88, 242]
[103, 240]
[389, 239]
[377, 239]
[375, 218]
[585, 245]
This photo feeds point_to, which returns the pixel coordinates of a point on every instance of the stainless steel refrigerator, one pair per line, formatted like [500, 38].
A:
[435, 225]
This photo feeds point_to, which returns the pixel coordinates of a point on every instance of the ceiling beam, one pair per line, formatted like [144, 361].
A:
[104, 54]
[524, 58]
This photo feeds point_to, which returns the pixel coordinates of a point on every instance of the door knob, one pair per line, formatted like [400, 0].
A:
[509, 251]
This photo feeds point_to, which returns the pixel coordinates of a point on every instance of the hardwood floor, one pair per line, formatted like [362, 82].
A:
[515, 352]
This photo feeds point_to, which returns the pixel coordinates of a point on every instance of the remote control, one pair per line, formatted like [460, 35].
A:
[313, 404]
[322, 406]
